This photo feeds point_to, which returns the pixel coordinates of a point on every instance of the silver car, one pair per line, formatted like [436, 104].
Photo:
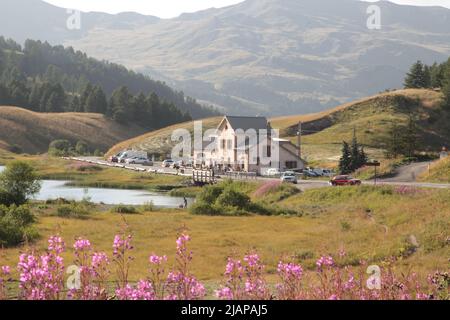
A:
[289, 176]
[139, 160]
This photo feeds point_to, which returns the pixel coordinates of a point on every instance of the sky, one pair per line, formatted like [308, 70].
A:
[173, 8]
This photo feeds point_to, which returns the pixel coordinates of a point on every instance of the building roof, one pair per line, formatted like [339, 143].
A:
[246, 123]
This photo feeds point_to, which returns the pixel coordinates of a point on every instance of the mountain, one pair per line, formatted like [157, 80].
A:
[31, 132]
[36, 19]
[269, 57]
[371, 117]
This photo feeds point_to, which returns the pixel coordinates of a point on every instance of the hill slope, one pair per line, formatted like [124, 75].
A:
[32, 132]
[439, 172]
[159, 141]
[371, 118]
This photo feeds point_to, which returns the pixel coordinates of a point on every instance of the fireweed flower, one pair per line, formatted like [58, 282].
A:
[154, 259]
[6, 270]
[142, 291]
[325, 262]
[56, 244]
[82, 244]
[42, 277]
[182, 241]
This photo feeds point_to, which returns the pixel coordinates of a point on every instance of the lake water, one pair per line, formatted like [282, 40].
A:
[52, 189]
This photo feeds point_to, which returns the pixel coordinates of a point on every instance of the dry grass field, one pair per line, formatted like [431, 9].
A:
[31, 132]
[370, 224]
[439, 172]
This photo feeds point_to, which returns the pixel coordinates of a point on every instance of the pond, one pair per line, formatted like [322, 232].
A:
[52, 189]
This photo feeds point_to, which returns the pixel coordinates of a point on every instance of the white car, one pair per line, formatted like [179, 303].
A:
[167, 163]
[272, 172]
[139, 160]
[289, 176]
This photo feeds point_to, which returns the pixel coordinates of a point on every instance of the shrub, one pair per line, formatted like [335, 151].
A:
[81, 148]
[233, 198]
[122, 209]
[18, 182]
[15, 225]
[73, 210]
[228, 199]
[60, 148]
[202, 208]
[148, 207]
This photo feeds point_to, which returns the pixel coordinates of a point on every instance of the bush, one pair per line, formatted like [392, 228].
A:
[122, 209]
[202, 208]
[148, 207]
[73, 210]
[81, 148]
[15, 225]
[60, 148]
[227, 199]
[233, 198]
[18, 182]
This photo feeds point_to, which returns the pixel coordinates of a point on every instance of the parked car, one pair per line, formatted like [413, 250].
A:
[310, 173]
[344, 180]
[289, 176]
[139, 160]
[129, 154]
[327, 173]
[114, 159]
[272, 172]
[177, 164]
[167, 163]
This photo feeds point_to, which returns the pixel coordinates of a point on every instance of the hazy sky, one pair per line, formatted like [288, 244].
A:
[173, 8]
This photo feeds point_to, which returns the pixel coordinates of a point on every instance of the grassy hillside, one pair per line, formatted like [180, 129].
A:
[371, 117]
[439, 172]
[160, 141]
[31, 132]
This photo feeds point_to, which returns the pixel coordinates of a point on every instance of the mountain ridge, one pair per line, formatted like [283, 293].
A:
[277, 57]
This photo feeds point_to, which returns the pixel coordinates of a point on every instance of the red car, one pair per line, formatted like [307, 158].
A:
[345, 181]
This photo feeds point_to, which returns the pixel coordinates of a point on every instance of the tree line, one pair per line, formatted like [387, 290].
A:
[435, 76]
[46, 78]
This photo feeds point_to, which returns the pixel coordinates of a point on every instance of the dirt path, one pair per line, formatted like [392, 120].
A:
[409, 173]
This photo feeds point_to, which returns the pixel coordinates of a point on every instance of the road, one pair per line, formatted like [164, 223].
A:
[409, 173]
[406, 175]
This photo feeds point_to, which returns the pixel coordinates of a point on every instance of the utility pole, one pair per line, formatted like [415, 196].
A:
[299, 139]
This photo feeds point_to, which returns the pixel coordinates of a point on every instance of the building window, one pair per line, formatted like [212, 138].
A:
[291, 164]
[223, 144]
[269, 151]
[230, 144]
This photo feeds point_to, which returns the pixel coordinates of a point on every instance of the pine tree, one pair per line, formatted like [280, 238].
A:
[75, 105]
[446, 85]
[346, 160]
[410, 138]
[426, 76]
[52, 104]
[393, 142]
[56, 100]
[437, 73]
[35, 97]
[96, 101]
[85, 95]
[416, 77]
[120, 104]
[4, 95]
